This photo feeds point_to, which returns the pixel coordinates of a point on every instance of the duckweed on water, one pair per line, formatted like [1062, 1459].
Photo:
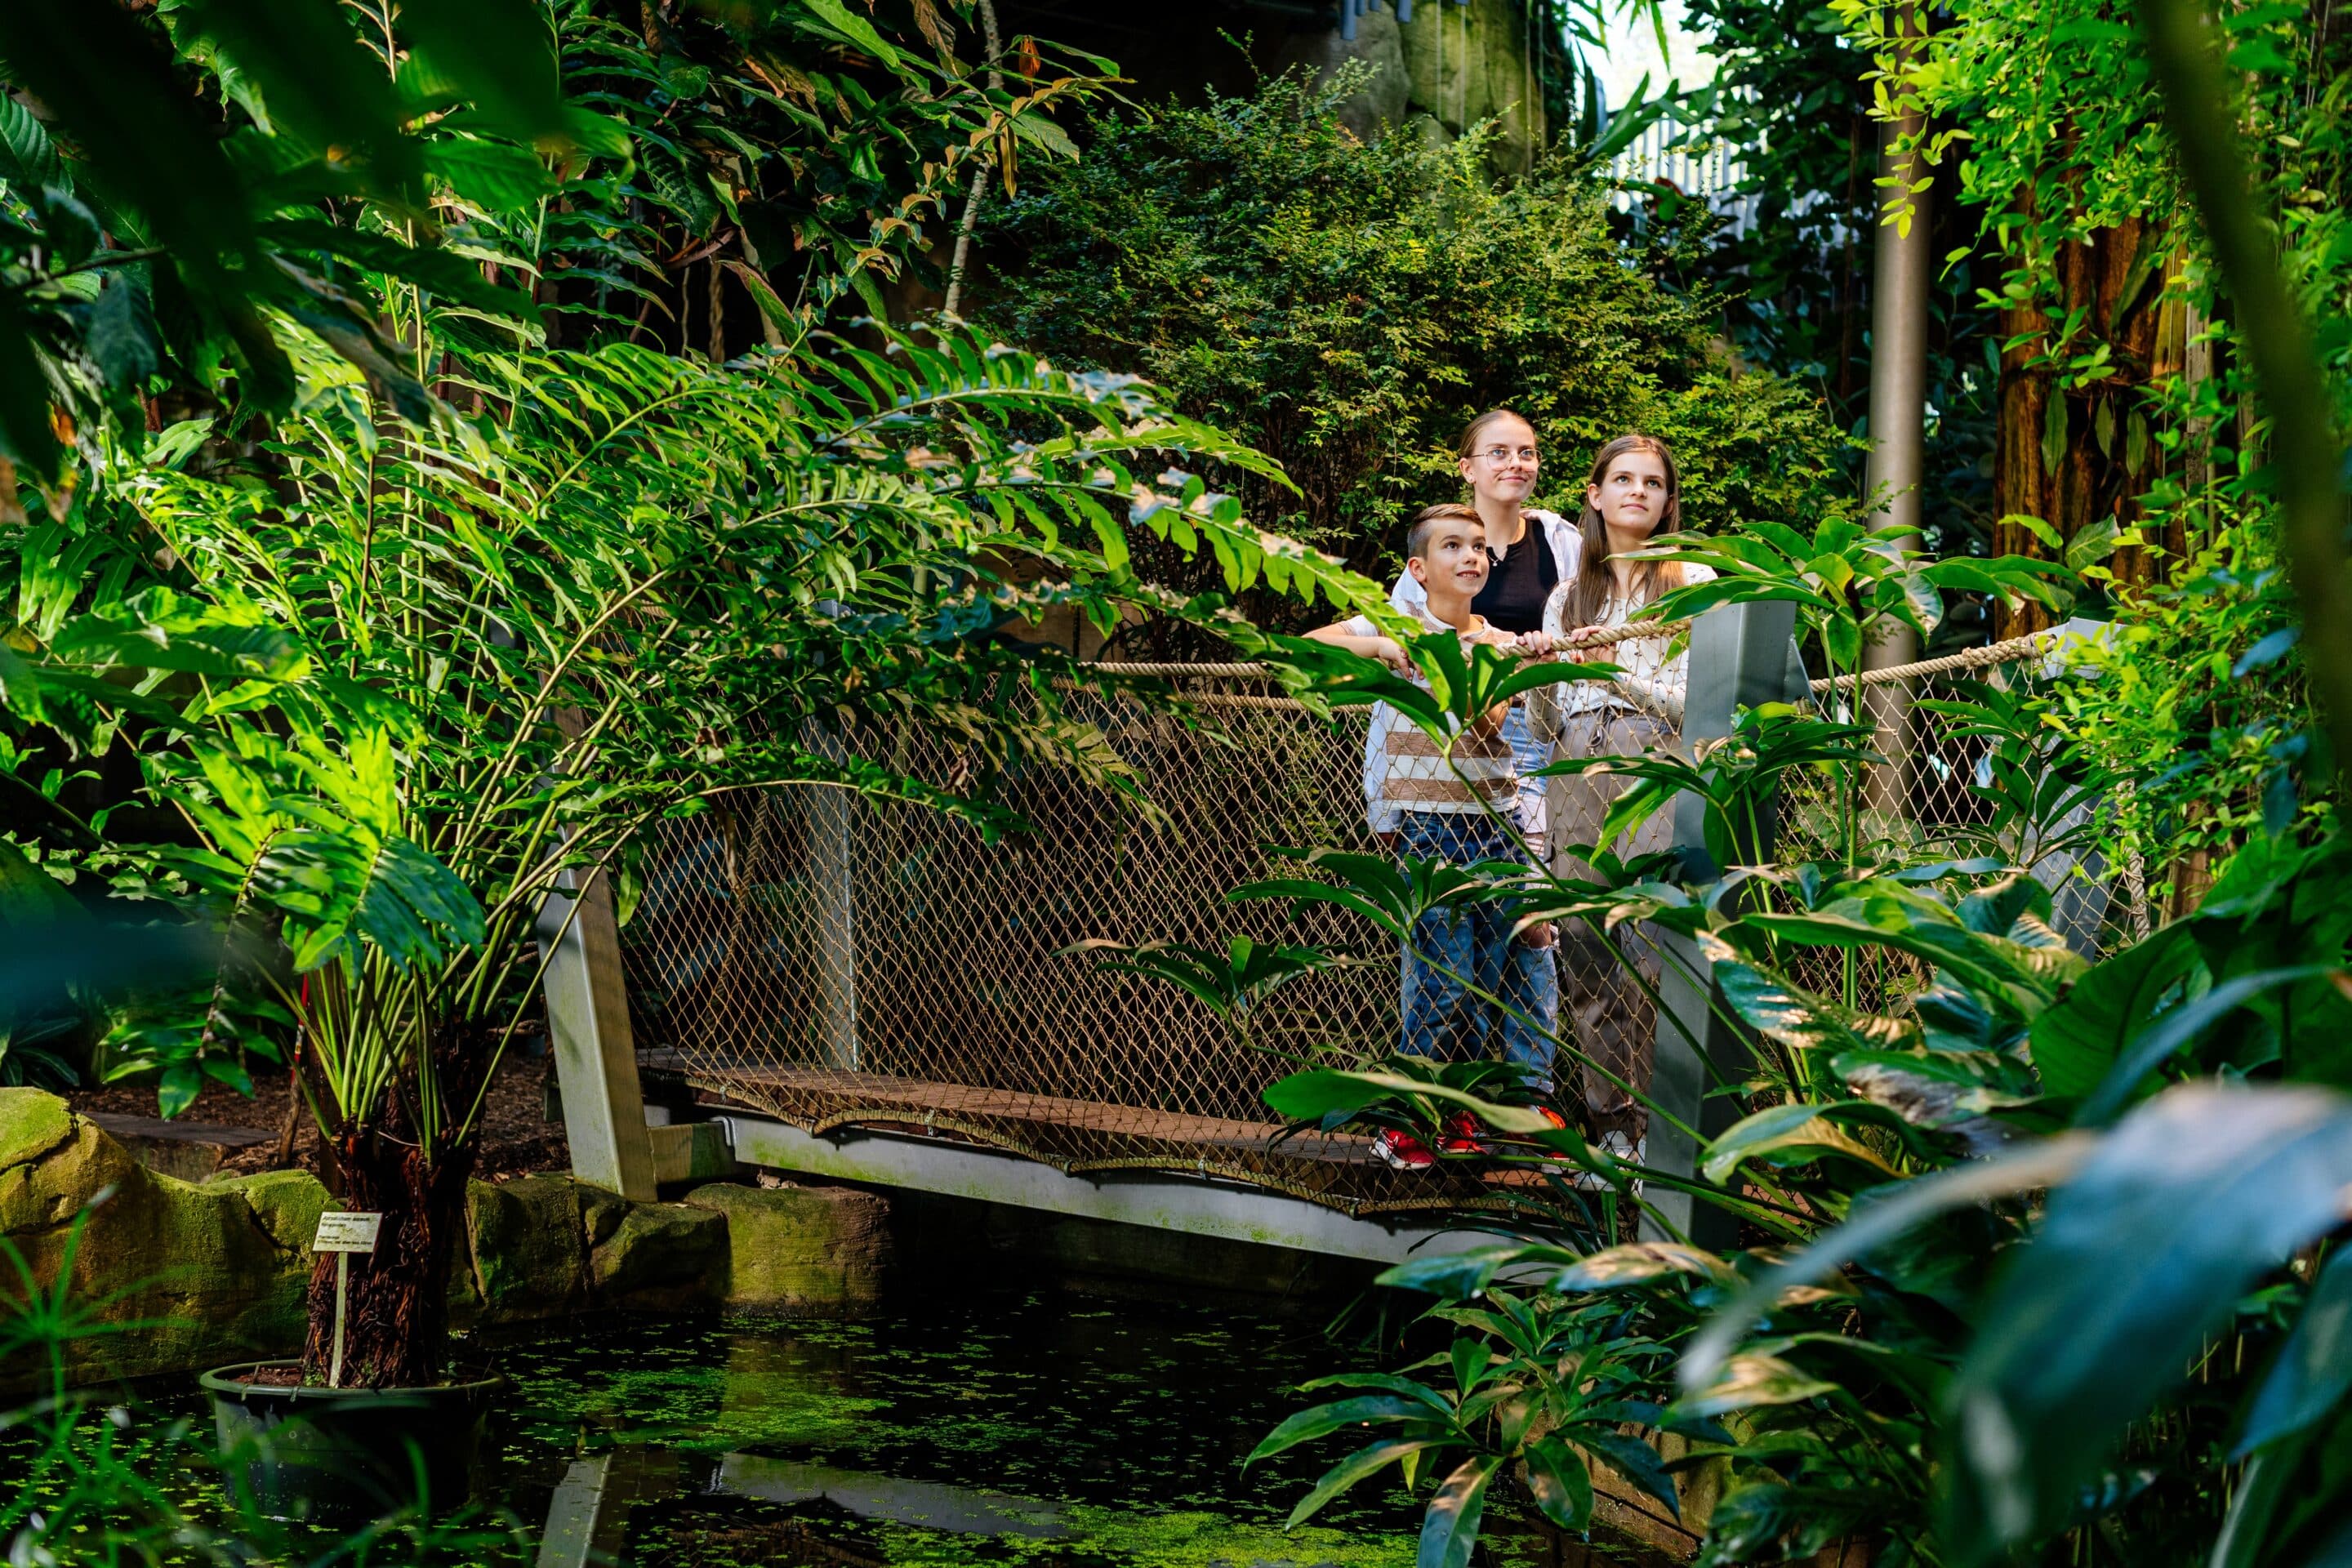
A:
[964, 1428]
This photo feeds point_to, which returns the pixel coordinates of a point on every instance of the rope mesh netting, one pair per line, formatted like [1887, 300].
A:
[832, 961]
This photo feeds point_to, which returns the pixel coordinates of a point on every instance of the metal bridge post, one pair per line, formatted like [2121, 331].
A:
[830, 816]
[1741, 656]
[588, 1029]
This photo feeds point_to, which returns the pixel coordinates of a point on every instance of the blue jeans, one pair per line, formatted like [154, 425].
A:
[1529, 752]
[1440, 1019]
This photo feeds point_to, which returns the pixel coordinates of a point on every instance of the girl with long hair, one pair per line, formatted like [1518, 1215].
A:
[1632, 500]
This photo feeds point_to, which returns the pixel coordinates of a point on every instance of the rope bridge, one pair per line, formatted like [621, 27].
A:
[833, 961]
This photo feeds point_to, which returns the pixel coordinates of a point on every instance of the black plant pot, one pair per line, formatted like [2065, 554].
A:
[345, 1455]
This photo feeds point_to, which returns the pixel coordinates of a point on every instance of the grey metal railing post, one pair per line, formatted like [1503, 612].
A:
[830, 817]
[1741, 656]
[588, 1029]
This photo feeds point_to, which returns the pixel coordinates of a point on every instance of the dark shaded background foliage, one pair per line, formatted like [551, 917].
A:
[1788, 96]
[1347, 304]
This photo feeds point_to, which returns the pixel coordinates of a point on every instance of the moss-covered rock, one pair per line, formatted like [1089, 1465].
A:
[547, 1246]
[213, 1273]
[219, 1271]
[809, 1249]
[527, 1246]
[662, 1258]
[286, 1203]
[31, 1124]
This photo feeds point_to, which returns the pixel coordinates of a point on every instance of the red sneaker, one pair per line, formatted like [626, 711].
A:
[1461, 1133]
[1403, 1150]
[1552, 1119]
[1558, 1124]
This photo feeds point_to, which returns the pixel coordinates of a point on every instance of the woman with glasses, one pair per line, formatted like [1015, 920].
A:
[1529, 553]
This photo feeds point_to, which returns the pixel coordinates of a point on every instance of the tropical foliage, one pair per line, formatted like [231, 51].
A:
[1349, 304]
[449, 618]
[2134, 446]
[2039, 1255]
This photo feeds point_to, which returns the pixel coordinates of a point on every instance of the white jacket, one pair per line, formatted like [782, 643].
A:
[1566, 543]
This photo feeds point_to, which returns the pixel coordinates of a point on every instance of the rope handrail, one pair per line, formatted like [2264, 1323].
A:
[2027, 646]
[1608, 637]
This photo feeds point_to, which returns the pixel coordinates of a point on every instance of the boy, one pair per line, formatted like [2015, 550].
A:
[1451, 807]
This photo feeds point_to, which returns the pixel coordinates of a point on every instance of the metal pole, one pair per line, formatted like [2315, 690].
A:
[1902, 275]
[832, 869]
[1741, 656]
[588, 1029]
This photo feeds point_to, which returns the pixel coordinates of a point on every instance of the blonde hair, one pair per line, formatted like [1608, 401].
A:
[1467, 448]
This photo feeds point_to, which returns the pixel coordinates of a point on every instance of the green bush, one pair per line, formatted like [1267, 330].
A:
[1346, 305]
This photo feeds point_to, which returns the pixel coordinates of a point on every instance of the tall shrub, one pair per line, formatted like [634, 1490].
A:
[1347, 304]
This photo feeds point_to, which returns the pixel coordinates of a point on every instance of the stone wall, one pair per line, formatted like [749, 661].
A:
[1447, 68]
[1450, 67]
[173, 1276]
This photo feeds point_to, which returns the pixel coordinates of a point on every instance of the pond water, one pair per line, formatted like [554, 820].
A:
[1052, 1426]
[956, 1427]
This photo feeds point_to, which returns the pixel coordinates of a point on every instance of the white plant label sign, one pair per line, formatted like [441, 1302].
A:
[342, 1234]
[340, 1231]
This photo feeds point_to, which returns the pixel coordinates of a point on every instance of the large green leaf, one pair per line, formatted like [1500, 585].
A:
[2180, 1027]
[1637, 1263]
[2075, 1043]
[499, 53]
[1340, 1413]
[1748, 1380]
[1449, 1529]
[2314, 1369]
[2174, 1216]
[1789, 1016]
[490, 174]
[106, 78]
[1798, 1131]
[1897, 1209]
[28, 159]
[1363, 1463]
[1559, 1483]
[342, 888]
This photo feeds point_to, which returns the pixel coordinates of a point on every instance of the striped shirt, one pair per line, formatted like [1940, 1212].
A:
[1417, 774]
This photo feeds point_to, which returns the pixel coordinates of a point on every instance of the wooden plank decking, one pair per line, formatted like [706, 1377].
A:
[964, 1102]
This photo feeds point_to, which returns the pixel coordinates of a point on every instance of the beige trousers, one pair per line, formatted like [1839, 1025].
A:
[1614, 1021]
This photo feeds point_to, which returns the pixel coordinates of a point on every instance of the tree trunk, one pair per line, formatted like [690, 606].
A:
[2066, 455]
[396, 1319]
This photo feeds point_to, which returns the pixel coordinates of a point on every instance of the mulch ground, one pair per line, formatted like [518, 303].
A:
[517, 1138]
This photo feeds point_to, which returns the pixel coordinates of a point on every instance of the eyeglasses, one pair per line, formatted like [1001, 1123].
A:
[1498, 456]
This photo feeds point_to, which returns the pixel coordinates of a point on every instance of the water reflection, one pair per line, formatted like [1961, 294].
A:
[963, 1427]
[589, 1515]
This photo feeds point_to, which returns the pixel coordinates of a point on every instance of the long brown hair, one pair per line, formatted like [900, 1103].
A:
[1595, 584]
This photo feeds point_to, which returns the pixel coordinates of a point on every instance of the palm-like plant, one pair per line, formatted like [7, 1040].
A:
[387, 681]
[396, 695]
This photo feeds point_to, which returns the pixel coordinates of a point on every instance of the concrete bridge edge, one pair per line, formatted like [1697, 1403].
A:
[1196, 1206]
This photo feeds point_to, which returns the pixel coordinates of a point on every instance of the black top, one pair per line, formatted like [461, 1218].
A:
[1520, 582]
